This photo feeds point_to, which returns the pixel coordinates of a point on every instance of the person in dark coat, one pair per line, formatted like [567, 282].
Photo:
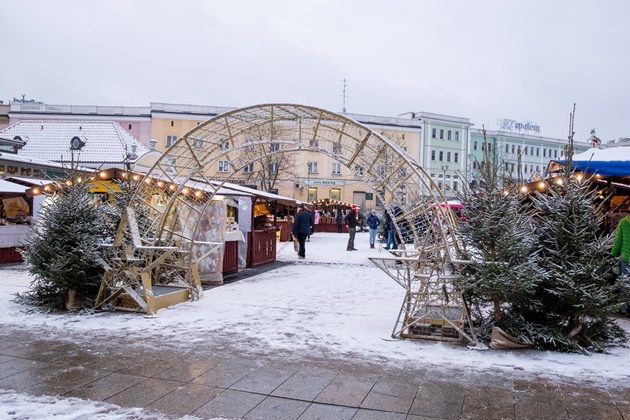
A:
[391, 233]
[339, 220]
[373, 223]
[311, 228]
[302, 228]
[351, 222]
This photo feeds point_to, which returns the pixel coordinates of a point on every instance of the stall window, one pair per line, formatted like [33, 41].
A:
[12, 170]
[312, 194]
[2, 170]
[335, 193]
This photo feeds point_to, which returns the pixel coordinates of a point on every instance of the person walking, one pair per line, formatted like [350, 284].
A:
[391, 233]
[621, 246]
[351, 222]
[302, 228]
[373, 222]
[311, 214]
[339, 220]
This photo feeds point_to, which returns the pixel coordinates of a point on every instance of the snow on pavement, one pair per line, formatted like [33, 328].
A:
[333, 304]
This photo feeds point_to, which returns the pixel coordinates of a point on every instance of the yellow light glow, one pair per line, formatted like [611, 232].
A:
[47, 188]
[172, 187]
[160, 184]
[124, 175]
[36, 191]
[185, 190]
[578, 177]
[198, 193]
[524, 189]
[541, 185]
[598, 176]
[135, 177]
[102, 174]
[560, 182]
[147, 181]
[79, 179]
[68, 182]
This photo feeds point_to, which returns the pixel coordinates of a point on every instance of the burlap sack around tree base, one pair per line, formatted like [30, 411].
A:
[499, 339]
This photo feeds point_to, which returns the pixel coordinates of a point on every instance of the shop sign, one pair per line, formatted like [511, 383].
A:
[520, 127]
[324, 182]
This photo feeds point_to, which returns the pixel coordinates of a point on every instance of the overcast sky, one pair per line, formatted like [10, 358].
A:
[524, 60]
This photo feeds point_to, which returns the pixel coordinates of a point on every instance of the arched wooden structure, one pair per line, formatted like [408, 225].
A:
[432, 307]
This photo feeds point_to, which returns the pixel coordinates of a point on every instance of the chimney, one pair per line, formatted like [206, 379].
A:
[152, 144]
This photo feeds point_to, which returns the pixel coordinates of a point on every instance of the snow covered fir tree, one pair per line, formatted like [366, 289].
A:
[541, 267]
[63, 251]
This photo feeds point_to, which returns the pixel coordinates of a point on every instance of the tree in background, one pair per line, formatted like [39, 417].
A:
[63, 251]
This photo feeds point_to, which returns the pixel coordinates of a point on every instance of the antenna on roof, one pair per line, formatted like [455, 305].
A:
[345, 84]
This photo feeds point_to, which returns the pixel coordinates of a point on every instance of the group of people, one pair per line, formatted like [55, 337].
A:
[303, 225]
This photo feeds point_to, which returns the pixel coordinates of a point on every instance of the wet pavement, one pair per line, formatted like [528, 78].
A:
[228, 383]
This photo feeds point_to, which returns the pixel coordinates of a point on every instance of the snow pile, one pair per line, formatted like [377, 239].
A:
[333, 304]
[20, 406]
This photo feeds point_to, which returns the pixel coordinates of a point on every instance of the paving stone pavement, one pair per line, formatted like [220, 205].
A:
[230, 383]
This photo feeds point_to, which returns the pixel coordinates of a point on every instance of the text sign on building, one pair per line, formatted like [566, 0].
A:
[517, 126]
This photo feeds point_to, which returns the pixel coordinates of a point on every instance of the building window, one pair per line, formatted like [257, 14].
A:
[433, 132]
[475, 145]
[507, 166]
[130, 126]
[489, 147]
[249, 168]
[544, 152]
[224, 166]
[474, 164]
[561, 153]
[359, 170]
[25, 171]
[448, 135]
[312, 194]
[336, 148]
[507, 148]
[336, 168]
[454, 185]
[457, 136]
[274, 147]
[442, 133]
[538, 151]
[197, 144]
[512, 167]
[335, 194]
[273, 168]
[225, 145]
[555, 153]
[518, 150]
[441, 156]
[448, 156]
[170, 140]
[172, 123]
[312, 167]
[525, 151]
[432, 154]
[537, 168]
[456, 157]
[313, 143]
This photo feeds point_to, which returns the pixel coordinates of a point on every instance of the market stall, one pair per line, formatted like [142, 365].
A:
[328, 210]
[16, 215]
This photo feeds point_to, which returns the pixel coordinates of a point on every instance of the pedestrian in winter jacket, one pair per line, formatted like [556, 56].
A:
[373, 222]
[351, 222]
[302, 228]
[621, 246]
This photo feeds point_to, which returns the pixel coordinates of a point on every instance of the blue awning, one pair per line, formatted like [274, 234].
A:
[614, 161]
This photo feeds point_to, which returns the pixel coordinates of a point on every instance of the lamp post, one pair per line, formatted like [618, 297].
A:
[444, 169]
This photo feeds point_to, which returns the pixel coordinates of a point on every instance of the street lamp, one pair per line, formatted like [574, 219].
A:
[444, 169]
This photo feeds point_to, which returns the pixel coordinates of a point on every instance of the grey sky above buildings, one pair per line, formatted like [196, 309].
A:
[525, 60]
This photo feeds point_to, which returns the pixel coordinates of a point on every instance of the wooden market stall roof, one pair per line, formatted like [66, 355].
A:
[7, 187]
[287, 201]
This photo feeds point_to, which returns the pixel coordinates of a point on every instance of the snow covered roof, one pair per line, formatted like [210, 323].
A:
[612, 161]
[11, 187]
[270, 196]
[50, 140]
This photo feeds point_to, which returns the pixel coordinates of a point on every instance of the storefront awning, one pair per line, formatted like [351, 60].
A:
[609, 162]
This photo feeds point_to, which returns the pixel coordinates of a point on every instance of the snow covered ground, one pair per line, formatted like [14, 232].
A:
[334, 303]
[21, 406]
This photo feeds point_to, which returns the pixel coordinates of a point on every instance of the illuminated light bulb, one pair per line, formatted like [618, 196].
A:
[124, 175]
[147, 181]
[559, 180]
[160, 184]
[505, 192]
[36, 191]
[185, 190]
[68, 182]
[541, 185]
[198, 193]
[47, 188]
[92, 178]
[524, 189]
[172, 187]
[579, 177]
[103, 174]
[135, 177]
[79, 179]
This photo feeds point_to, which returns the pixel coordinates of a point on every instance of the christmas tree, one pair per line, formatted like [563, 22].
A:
[63, 252]
[500, 245]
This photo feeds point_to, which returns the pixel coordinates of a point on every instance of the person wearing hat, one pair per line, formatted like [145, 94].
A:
[351, 222]
[302, 228]
[373, 222]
